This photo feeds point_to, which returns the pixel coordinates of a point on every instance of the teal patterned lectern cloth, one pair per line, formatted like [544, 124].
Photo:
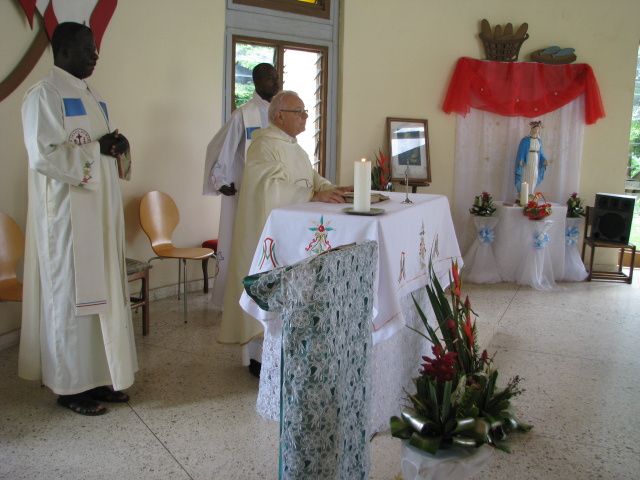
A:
[326, 306]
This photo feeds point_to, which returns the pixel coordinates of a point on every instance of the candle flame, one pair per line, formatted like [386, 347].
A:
[363, 160]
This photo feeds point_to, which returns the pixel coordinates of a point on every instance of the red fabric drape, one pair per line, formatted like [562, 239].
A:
[521, 88]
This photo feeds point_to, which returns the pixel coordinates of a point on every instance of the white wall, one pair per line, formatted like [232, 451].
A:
[161, 70]
[398, 58]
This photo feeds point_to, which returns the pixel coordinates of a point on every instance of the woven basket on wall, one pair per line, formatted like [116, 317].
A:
[502, 49]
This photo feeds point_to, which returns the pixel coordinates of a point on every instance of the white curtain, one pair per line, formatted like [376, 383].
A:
[486, 146]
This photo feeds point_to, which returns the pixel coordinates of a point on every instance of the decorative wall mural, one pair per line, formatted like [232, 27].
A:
[94, 13]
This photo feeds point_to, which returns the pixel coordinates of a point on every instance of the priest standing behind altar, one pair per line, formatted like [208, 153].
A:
[77, 336]
[278, 172]
[225, 163]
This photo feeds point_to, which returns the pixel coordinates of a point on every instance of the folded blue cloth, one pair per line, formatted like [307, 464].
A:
[564, 52]
[551, 50]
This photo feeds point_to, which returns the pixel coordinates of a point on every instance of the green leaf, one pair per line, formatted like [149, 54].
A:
[464, 441]
[427, 444]
[430, 330]
[433, 397]
[504, 446]
[446, 401]
[458, 393]
[399, 428]
[464, 424]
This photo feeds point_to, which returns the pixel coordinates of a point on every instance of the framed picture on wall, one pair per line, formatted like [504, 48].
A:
[408, 141]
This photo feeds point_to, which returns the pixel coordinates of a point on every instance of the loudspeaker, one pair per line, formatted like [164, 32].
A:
[612, 217]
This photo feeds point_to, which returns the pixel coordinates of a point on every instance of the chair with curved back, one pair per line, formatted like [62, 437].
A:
[159, 217]
[11, 250]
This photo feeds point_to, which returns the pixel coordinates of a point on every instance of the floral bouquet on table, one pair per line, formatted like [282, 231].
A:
[537, 207]
[381, 173]
[457, 400]
[574, 206]
[483, 205]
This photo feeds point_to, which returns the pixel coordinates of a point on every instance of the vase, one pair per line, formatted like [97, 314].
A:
[536, 268]
[480, 265]
[574, 270]
[451, 464]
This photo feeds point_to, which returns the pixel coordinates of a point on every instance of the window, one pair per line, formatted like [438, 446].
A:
[315, 8]
[304, 49]
[302, 69]
[633, 170]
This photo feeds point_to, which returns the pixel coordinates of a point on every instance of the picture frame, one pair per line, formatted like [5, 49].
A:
[408, 147]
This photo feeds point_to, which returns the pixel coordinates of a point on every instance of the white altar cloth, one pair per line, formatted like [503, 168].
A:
[405, 236]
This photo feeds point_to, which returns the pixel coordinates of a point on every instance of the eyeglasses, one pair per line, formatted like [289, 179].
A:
[299, 111]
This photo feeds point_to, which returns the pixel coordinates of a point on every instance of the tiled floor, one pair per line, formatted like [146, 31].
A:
[192, 416]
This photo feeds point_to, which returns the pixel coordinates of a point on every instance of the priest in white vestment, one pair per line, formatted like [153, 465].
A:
[225, 161]
[77, 336]
[277, 173]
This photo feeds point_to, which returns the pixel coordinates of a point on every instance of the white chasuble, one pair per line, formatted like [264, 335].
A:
[277, 173]
[66, 349]
[224, 165]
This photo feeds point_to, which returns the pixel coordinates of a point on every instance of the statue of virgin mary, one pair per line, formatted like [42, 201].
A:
[530, 160]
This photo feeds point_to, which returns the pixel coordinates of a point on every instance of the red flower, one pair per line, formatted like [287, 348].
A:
[451, 324]
[442, 368]
[467, 327]
[484, 357]
[457, 283]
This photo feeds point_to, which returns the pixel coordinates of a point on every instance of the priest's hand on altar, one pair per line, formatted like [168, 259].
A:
[329, 196]
[114, 144]
[228, 190]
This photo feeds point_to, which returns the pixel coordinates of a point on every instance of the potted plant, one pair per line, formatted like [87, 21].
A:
[574, 270]
[381, 173]
[483, 205]
[574, 206]
[457, 401]
[480, 264]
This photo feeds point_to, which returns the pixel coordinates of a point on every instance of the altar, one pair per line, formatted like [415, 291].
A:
[407, 234]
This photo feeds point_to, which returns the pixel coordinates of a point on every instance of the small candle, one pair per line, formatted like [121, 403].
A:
[524, 193]
[362, 186]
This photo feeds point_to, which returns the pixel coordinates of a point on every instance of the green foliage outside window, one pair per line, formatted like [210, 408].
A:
[248, 56]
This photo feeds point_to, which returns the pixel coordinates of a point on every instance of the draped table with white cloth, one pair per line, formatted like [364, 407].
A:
[512, 240]
[406, 236]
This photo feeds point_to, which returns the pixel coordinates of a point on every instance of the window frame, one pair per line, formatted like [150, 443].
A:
[249, 21]
[320, 10]
[280, 46]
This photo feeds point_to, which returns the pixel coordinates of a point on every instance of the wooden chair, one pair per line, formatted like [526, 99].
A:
[623, 248]
[213, 245]
[159, 217]
[11, 250]
[137, 270]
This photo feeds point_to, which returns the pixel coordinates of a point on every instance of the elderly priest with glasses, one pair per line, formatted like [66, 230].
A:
[278, 173]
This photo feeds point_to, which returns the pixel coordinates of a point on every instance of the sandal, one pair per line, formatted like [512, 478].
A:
[82, 404]
[106, 394]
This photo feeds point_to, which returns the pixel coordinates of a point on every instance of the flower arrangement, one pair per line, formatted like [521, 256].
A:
[537, 207]
[483, 205]
[574, 206]
[380, 172]
[457, 400]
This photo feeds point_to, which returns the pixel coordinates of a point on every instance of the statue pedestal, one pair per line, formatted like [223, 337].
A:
[480, 265]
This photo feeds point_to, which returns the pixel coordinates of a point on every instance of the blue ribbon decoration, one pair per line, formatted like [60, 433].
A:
[540, 240]
[486, 235]
[571, 236]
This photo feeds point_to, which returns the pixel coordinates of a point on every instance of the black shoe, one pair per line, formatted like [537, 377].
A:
[255, 367]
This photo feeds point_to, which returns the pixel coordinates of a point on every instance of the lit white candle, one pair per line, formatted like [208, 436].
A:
[362, 186]
[524, 193]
